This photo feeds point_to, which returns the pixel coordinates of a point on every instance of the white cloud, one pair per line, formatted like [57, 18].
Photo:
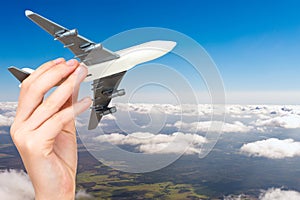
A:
[8, 106]
[279, 194]
[261, 111]
[176, 143]
[204, 126]
[236, 197]
[272, 148]
[6, 121]
[270, 194]
[286, 121]
[7, 113]
[82, 194]
[15, 185]
[265, 117]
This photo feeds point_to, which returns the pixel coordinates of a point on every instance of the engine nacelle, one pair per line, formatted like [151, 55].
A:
[109, 111]
[92, 47]
[112, 110]
[72, 32]
[110, 93]
[118, 93]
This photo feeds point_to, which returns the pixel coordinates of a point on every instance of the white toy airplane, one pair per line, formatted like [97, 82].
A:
[105, 68]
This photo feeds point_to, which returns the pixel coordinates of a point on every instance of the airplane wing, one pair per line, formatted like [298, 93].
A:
[104, 90]
[87, 51]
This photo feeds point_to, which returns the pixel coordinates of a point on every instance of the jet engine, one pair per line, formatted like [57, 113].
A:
[112, 94]
[72, 32]
[118, 93]
[107, 111]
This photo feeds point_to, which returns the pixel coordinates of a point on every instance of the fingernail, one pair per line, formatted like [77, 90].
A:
[71, 62]
[58, 60]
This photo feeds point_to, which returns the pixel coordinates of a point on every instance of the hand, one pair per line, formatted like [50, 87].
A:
[44, 130]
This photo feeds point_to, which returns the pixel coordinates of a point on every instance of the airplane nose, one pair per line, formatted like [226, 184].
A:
[163, 44]
[169, 45]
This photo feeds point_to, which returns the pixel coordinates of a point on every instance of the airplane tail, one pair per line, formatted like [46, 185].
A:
[94, 119]
[20, 74]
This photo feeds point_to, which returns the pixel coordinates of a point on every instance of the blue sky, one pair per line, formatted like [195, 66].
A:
[255, 44]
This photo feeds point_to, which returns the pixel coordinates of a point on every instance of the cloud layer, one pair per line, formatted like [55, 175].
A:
[272, 148]
[239, 118]
[195, 120]
[177, 143]
[192, 120]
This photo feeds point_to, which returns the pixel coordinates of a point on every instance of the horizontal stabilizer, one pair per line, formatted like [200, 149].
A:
[20, 74]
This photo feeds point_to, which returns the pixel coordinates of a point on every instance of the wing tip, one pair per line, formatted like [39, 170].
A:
[28, 13]
[12, 69]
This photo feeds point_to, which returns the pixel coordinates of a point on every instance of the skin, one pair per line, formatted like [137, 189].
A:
[44, 129]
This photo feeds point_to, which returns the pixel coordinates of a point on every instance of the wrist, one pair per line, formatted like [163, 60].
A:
[64, 192]
[65, 196]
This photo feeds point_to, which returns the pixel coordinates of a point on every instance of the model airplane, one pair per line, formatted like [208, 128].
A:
[105, 68]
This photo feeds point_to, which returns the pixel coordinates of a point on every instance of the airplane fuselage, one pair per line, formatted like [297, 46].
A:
[129, 58]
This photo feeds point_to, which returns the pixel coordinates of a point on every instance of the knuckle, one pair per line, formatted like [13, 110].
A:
[17, 139]
[14, 134]
[12, 129]
[21, 139]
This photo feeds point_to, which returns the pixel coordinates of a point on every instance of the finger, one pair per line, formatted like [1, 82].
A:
[53, 126]
[57, 99]
[76, 89]
[74, 96]
[44, 67]
[33, 91]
